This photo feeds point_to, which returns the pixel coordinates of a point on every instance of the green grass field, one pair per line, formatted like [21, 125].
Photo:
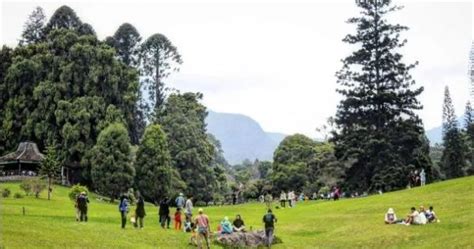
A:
[348, 223]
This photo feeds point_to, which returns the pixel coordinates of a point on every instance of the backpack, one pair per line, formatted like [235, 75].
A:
[268, 218]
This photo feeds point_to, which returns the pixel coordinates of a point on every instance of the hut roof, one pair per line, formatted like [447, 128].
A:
[26, 152]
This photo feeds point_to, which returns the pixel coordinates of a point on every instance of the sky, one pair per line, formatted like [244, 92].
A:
[275, 61]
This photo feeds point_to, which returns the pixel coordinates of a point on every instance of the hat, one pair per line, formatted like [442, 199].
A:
[180, 194]
[200, 210]
[226, 218]
[83, 193]
[390, 211]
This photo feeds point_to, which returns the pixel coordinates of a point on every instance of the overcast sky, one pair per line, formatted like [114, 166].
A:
[275, 62]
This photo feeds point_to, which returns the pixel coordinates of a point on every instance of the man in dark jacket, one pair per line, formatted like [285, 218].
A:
[82, 201]
[164, 213]
[269, 219]
[140, 211]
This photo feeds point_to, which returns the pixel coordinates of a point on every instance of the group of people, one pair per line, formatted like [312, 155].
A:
[290, 198]
[415, 217]
[417, 178]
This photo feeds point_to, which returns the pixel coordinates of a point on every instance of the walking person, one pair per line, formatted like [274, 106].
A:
[140, 211]
[82, 201]
[203, 228]
[123, 209]
[180, 201]
[164, 213]
[269, 219]
[422, 177]
[282, 199]
[268, 200]
[188, 212]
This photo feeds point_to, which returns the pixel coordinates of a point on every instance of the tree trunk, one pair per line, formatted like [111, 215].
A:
[49, 188]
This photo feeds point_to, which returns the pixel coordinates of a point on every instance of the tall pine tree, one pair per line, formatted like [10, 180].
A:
[33, 29]
[453, 159]
[469, 129]
[377, 125]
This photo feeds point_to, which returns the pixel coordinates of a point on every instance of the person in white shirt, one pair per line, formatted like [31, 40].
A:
[188, 207]
[431, 215]
[412, 218]
[421, 217]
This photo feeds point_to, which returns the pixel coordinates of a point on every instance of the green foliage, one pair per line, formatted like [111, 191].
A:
[159, 57]
[63, 18]
[6, 192]
[37, 185]
[26, 187]
[50, 166]
[469, 137]
[33, 28]
[76, 190]
[453, 160]
[18, 195]
[62, 91]
[112, 171]
[183, 120]
[378, 133]
[153, 164]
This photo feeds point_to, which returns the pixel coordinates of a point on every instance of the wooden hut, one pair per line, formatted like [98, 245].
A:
[25, 160]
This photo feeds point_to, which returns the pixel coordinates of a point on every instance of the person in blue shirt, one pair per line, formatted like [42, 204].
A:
[180, 201]
[123, 208]
[226, 226]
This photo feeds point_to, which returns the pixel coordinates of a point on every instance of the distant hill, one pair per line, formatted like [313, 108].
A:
[242, 137]
[435, 135]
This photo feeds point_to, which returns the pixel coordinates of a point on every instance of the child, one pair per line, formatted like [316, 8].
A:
[188, 225]
[431, 215]
[133, 220]
[177, 219]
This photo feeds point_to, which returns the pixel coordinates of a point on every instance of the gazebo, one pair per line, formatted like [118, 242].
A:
[25, 160]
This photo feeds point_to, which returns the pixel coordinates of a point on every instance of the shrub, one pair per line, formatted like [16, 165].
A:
[18, 195]
[37, 186]
[26, 186]
[6, 192]
[76, 190]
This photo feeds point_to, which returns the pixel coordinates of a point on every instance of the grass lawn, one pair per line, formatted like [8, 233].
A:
[348, 223]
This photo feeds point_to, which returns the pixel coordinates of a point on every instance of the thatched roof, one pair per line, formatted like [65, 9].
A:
[26, 152]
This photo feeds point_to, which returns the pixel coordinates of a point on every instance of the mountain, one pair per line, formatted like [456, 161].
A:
[435, 135]
[242, 137]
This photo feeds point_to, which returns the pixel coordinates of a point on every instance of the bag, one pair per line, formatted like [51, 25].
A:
[268, 218]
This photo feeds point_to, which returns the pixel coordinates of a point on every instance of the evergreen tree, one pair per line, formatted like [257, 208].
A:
[453, 158]
[5, 62]
[153, 165]
[159, 57]
[290, 163]
[112, 171]
[377, 128]
[469, 129]
[63, 18]
[50, 167]
[183, 120]
[33, 28]
[126, 42]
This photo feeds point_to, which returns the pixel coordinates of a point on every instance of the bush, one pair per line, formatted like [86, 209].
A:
[76, 190]
[26, 186]
[6, 192]
[37, 186]
[18, 195]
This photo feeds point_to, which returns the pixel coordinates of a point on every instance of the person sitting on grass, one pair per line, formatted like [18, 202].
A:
[422, 212]
[390, 217]
[431, 215]
[414, 218]
[239, 225]
[226, 226]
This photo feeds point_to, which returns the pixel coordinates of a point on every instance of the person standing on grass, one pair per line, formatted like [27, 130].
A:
[282, 199]
[269, 219]
[164, 213]
[268, 200]
[82, 201]
[177, 219]
[180, 201]
[422, 177]
[123, 209]
[188, 212]
[140, 211]
[203, 228]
